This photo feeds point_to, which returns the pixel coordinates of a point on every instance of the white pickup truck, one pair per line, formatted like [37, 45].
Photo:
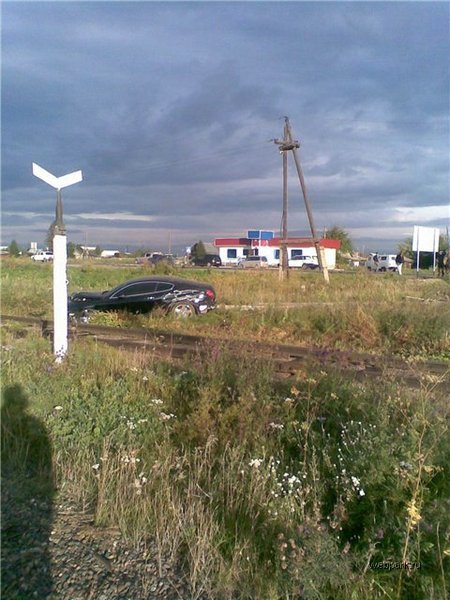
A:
[42, 256]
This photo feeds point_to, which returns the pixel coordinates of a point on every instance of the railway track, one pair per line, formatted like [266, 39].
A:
[287, 360]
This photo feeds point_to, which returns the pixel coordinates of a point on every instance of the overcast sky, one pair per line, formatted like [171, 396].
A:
[168, 108]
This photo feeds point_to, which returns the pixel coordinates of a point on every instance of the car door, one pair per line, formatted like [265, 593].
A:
[134, 297]
[163, 288]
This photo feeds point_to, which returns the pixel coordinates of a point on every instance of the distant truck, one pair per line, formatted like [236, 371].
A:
[42, 256]
[386, 262]
[153, 258]
[303, 262]
[208, 260]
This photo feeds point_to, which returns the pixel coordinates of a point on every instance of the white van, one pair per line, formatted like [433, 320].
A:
[386, 262]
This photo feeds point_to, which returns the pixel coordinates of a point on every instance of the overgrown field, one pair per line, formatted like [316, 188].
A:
[323, 490]
[359, 310]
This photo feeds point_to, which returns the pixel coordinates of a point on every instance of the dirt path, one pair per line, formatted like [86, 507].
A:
[52, 550]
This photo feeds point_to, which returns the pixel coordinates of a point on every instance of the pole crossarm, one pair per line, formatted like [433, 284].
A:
[285, 145]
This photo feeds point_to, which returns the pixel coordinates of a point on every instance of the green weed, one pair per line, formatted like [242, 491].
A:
[261, 490]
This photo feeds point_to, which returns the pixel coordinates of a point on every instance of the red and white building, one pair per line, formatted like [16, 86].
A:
[264, 243]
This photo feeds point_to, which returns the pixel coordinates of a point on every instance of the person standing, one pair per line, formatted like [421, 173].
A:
[399, 260]
[376, 260]
[441, 263]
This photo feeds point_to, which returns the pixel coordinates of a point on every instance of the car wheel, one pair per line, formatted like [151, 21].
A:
[183, 310]
[85, 316]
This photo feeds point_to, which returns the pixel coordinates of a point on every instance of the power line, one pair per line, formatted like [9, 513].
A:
[200, 158]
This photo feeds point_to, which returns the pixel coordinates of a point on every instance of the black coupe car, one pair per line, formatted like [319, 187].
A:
[183, 297]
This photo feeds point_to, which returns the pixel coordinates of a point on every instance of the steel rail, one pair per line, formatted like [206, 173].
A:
[287, 360]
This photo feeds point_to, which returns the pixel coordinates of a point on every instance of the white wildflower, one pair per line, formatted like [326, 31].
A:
[293, 480]
[166, 417]
[276, 426]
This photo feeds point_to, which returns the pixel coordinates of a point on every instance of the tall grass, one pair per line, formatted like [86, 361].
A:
[362, 311]
[258, 490]
[233, 286]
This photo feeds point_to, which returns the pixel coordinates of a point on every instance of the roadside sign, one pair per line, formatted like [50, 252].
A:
[425, 239]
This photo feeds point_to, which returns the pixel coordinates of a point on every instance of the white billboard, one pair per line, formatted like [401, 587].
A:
[425, 239]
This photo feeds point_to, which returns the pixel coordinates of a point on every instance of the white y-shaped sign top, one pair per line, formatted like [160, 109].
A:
[57, 182]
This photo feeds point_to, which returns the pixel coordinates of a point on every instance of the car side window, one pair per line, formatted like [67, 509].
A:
[135, 289]
[150, 288]
[163, 286]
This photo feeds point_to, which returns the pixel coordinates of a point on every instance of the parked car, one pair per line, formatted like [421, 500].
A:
[253, 262]
[42, 256]
[183, 297]
[154, 258]
[386, 262]
[209, 260]
[304, 262]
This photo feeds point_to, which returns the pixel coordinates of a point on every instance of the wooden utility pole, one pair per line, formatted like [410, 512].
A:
[284, 261]
[288, 143]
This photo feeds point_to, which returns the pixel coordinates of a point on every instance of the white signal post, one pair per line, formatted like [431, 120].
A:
[60, 316]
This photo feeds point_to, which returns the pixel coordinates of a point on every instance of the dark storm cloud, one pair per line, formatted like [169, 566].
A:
[168, 108]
